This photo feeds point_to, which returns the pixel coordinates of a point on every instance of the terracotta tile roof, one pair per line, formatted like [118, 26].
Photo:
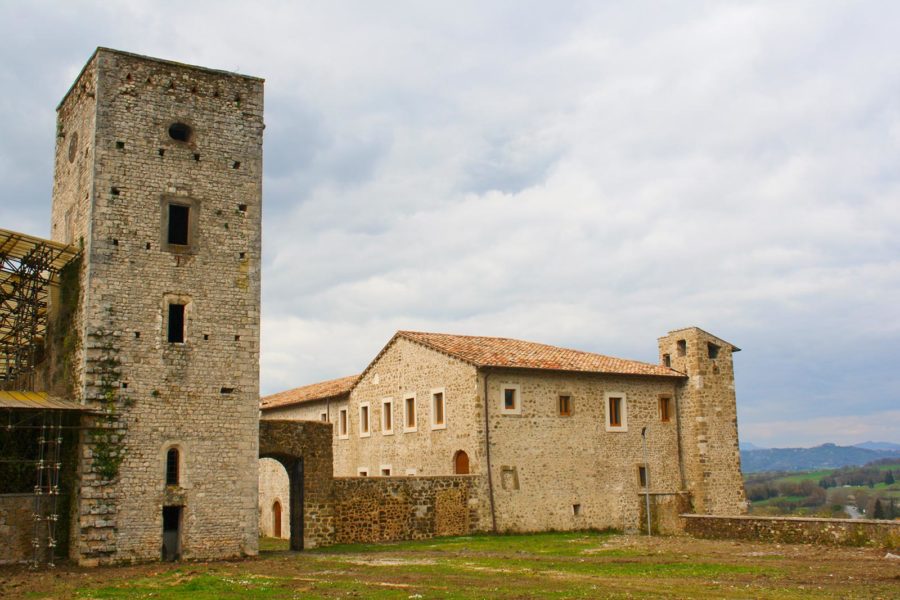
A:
[308, 393]
[505, 352]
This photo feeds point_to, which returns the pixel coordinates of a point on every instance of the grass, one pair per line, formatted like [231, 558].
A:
[547, 565]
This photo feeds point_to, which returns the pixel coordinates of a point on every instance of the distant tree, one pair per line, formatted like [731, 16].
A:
[889, 478]
[878, 513]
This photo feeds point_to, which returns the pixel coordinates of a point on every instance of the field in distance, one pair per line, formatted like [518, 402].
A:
[551, 565]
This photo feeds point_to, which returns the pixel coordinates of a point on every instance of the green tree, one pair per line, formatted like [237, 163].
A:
[889, 478]
[878, 513]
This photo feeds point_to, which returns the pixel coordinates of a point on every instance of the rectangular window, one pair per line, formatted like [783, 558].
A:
[362, 472]
[179, 219]
[510, 399]
[409, 413]
[176, 324]
[324, 417]
[642, 476]
[665, 406]
[565, 405]
[616, 411]
[385, 470]
[682, 347]
[364, 420]
[387, 416]
[438, 420]
[342, 424]
[712, 350]
[667, 360]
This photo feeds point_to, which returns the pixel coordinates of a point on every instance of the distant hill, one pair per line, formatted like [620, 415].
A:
[878, 446]
[826, 456]
[751, 446]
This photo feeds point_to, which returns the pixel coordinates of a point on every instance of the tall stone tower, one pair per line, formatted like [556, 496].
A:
[707, 418]
[158, 178]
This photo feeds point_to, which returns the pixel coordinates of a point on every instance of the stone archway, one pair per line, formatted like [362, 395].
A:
[304, 449]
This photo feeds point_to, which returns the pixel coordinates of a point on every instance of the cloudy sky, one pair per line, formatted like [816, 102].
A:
[585, 174]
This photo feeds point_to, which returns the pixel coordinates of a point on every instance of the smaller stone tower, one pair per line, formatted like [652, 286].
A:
[707, 417]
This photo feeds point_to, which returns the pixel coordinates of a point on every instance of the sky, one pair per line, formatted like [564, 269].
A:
[585, 174]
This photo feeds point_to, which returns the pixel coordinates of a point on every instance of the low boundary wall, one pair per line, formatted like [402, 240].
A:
[796, 530]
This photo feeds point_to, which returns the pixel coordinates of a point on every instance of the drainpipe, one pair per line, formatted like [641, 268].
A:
[678, 439]
[487, 454]
[646, 478]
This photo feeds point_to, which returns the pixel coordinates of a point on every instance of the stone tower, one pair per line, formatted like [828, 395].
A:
[158, 178]
[707, 418]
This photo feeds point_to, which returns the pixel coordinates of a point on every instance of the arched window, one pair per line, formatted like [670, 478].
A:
[276, 519]
[172, 466]
[461, 463]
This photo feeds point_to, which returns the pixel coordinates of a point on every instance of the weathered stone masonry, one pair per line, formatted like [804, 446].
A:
[117, 170]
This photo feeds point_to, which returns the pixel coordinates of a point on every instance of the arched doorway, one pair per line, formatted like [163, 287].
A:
[461, 463]
[276, 519]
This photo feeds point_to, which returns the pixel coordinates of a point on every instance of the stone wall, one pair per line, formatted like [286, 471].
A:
[16, 528]
[571, 472]
[797, 530]
[200, 396]
[386, 509]
[274, 486]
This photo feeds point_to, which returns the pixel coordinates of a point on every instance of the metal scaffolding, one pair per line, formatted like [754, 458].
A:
[29, 266]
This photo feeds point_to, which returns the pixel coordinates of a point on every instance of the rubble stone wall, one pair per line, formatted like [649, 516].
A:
[797, 530]
[16, 528]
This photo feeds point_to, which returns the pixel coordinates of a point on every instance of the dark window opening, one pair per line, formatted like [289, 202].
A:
[194, 89]
[226, 390]
[236, 164]
[179, 219]
[147, 245]
[124, 386]
[667, 360]
[565, 406]
[172, 466]
[115, 191]
[576, 509]
[162, 151]
[115, 242]
[509, 398]
[197, 157]
[180, 132]
[642, 476]
[242, 255]
[205, 337]
[137, 334]
[682, 347]
[120, 145]
[237, 338]
[712, 349]
[176, 323]
[242, 207]
[385, 472]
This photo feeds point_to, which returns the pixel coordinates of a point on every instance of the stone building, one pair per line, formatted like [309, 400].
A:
[157, 183]
[560, 439]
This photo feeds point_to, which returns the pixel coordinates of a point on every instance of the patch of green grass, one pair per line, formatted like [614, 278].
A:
[177, 585]
[268, 544]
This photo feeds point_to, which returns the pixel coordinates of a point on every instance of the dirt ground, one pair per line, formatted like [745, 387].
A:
[555, 565]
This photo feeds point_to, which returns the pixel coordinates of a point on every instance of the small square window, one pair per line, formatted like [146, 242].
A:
[176, 324]
[682, 347]
[323, 417]
[510, 399]
[438, 416]
[712, 350]
[362, 472]
[386, 470]
[565, 405]
[665, 408]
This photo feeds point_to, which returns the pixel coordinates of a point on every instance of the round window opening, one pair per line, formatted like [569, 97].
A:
[180, 132]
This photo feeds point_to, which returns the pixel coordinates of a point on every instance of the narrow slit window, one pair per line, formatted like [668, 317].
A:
[172, 466]
[176, 323]
[387, 417]
[179, 218]
[642, 476]
[615, 412]
[364, 420]
[410, 410]
[665, 408]
[437, 410]
[342, 423]
[565, 405]
[667, 360]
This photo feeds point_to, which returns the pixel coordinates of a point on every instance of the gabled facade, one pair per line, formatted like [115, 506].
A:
[559, 436]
